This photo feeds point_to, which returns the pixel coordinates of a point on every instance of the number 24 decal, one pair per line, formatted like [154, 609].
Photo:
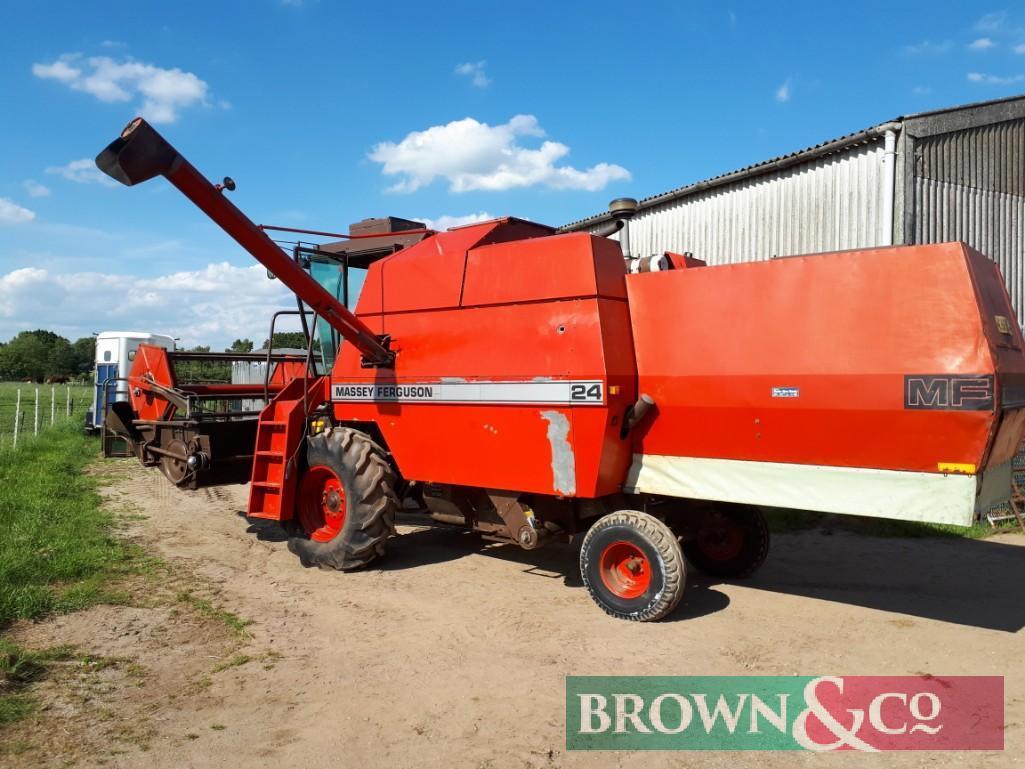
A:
[585, 392]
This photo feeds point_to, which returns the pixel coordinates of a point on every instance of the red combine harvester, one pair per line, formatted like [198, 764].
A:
[530, 386]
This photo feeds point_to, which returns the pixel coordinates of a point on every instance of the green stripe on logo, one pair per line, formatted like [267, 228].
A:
[683, 712]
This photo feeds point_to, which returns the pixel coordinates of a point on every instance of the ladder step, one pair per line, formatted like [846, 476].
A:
[280, 430]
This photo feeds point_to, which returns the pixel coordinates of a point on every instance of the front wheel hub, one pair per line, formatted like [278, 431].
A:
[625, 569]
[321, 504]
[332, 501]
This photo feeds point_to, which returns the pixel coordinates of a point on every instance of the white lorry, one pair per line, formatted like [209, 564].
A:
[115, 351]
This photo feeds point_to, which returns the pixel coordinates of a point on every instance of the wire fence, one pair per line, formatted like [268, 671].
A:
[27, 410]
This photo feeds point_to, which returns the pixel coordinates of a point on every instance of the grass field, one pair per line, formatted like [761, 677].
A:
[58, 548]
[783, 521]
[58, 551]
[77, 398]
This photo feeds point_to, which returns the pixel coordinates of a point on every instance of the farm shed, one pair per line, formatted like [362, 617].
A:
[255, 372]
[950, 174]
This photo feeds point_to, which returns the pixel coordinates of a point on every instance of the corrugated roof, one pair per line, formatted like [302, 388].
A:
[823, 149]
[970, 105]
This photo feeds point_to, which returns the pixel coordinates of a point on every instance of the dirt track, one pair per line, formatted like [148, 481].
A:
[454, 654]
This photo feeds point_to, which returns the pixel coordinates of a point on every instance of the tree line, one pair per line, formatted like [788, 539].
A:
[41, 355]
[220, 371]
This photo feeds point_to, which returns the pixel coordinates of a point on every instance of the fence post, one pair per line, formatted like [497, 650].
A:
[67, 391]
[35, 416]
[53, 404]
[17, 413]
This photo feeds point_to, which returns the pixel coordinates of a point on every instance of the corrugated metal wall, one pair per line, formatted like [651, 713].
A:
[826, 204]
[249, 372]
[970, 185]
[967, 184]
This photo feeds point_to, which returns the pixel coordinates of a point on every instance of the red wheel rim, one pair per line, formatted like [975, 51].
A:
[720, 538]
[625, 569]
[321, 504]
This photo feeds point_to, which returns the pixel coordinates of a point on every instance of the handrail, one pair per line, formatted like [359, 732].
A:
[270, 347]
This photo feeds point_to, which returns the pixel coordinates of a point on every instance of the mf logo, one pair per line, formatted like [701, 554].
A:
[956, 392]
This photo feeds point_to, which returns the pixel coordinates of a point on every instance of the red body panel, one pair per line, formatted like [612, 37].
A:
[151, 364]
[842, 330]
[575, 327]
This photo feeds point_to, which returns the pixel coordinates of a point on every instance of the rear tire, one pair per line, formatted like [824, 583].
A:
[632, 566]
[345, 503]
[731, 541]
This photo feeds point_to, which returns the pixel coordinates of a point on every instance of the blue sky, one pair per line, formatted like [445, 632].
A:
[328, 112]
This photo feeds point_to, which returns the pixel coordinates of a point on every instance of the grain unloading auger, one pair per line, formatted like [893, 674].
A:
[522, 384]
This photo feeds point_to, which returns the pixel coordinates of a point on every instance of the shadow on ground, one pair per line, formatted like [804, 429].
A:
[962, 581]
[972, 582]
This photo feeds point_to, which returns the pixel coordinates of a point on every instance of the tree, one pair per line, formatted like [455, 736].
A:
[29, 355]
[294, 339]
[241, 345]
[202, 370]
[60, 360]
[84, 354]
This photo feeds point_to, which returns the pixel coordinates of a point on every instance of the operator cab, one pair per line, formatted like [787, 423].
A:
[341, 268]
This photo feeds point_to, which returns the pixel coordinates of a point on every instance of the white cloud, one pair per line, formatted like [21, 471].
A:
[982, 44]
[476, 156]
[35, 189]
[1020, 48]
[984, 79]
[60, 70]
[928, 47]
[443, 223]
[83, 171]
[12, 213]
[921, 90]
[783, 92]
[992, 22]
[212, 305]
[113, 44]
[164, 92]
[475, 71]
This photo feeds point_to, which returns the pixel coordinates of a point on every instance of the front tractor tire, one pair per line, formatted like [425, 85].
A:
[632, 566]
[345, 503]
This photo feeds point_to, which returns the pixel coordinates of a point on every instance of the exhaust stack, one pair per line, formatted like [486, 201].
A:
[141, 153]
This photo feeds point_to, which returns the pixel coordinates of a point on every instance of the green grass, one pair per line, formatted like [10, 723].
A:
[19, 668]
[207, 609]
[58, 551]
[81, 401]
[14, 707]
[234, 661]
[782, 521]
